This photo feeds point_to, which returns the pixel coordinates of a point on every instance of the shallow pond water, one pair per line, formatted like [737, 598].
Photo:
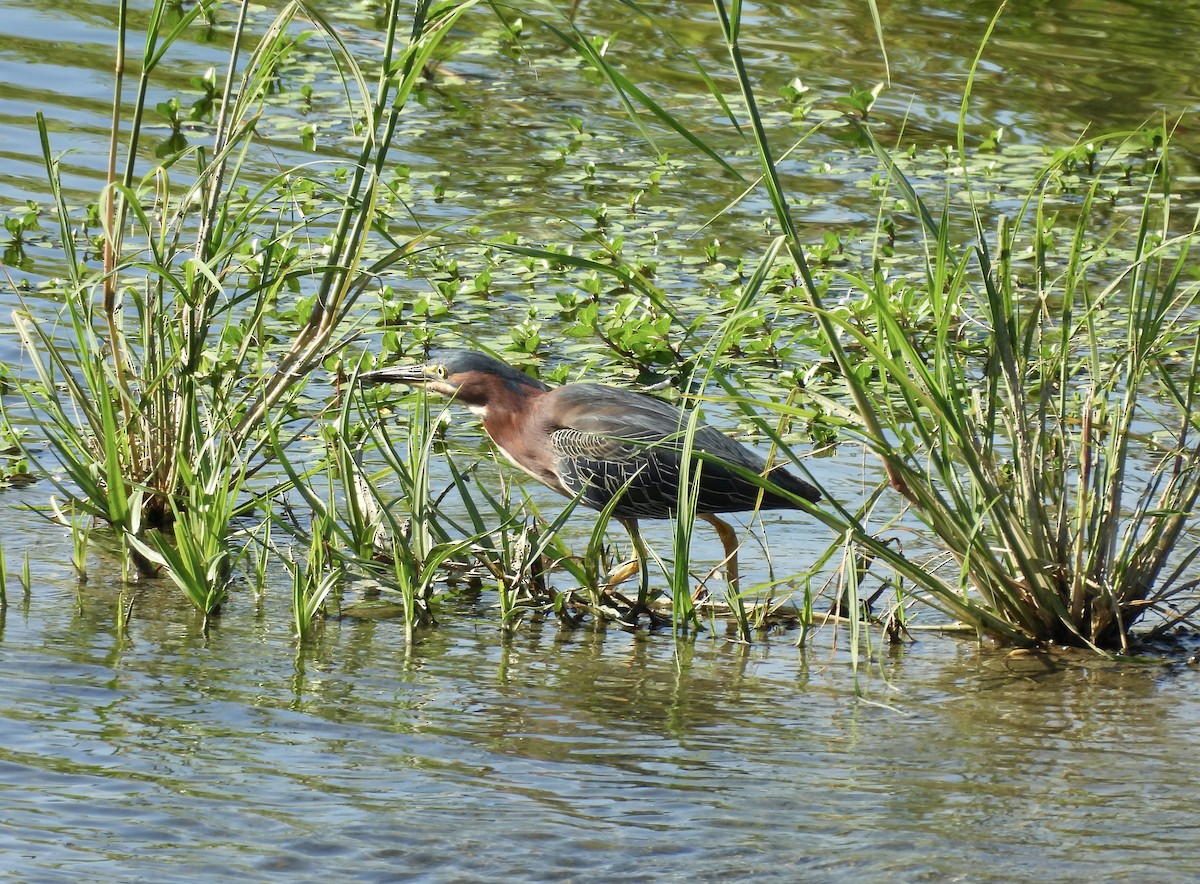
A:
[158, 751]
[164, 754]
[161, 752]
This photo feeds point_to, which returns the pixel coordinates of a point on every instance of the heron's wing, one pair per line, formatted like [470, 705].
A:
[600, 467]
[609, 439]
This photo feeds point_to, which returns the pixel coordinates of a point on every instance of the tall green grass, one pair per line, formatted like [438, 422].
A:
[1052, 448]
[357, 532]
[198, 556]
[158, 375]
[1042, 426]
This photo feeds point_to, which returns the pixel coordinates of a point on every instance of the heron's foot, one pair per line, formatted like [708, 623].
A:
[656, 620]
[630, 613]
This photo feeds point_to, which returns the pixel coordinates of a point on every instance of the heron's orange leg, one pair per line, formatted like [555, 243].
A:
[729, 541]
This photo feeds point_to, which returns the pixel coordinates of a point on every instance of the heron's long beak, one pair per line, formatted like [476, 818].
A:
[413, 375]
[431, 376]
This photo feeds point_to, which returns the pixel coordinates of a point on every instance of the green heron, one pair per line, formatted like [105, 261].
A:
[596, 441]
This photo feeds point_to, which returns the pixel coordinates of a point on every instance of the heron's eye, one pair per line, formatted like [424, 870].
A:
[440, 372]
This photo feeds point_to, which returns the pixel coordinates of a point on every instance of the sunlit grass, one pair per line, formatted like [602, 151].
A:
[313, 581]
[159, 357]
[1010, 425]
[1028, 389]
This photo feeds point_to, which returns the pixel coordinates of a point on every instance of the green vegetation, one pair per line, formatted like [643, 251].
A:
[162, 391]
[1026, 379]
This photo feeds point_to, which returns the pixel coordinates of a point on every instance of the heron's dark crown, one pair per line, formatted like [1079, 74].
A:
[463, 361]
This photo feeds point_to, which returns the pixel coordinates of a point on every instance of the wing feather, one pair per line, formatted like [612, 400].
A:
[608, 441]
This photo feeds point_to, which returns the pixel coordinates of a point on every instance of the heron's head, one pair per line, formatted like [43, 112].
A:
[472, 378]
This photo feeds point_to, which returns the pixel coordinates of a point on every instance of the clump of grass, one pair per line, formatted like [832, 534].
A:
[160, 356]
[358, 531]
[411, 551]
[1044, 427]
[198, 556]
[312, 584]
[1041, 423]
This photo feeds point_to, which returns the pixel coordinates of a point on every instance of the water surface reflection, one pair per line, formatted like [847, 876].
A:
[563, 755]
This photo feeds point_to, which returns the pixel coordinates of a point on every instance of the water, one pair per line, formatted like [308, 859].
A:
[553, 755]
[163, 752]
[561, 755]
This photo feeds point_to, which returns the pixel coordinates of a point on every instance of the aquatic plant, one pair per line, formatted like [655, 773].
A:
[197, 554]
[396, 540]
[1042, 424]
[162, 357]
